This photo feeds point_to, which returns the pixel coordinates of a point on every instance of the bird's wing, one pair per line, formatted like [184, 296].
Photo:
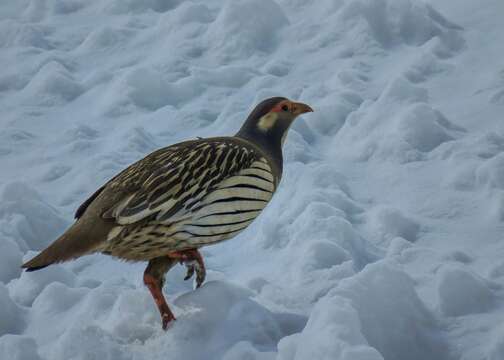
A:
[131, 178]
[178, 181]
[82, 208]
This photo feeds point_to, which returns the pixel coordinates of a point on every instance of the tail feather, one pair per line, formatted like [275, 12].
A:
[68, 246]
[33, 268]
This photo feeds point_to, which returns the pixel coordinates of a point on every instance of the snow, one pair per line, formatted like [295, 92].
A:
[384, 240]
[453, 281]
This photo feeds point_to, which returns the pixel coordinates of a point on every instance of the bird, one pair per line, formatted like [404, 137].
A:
[163, 208]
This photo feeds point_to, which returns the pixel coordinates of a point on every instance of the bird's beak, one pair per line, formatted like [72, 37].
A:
[300, 108]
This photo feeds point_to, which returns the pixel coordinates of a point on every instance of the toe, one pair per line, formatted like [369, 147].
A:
[200, 276]
[168, 319]
[190, 272]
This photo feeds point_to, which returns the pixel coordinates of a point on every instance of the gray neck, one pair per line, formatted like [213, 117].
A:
[270, 142]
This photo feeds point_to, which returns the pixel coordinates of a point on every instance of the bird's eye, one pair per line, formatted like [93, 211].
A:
[285, 108]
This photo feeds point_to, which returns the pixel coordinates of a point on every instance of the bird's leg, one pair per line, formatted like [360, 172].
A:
[154, 278]
[194, 262]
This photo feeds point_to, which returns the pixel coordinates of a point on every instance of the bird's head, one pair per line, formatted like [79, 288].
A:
[271, 119]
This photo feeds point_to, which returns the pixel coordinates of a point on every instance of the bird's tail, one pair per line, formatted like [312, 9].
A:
[67, 247]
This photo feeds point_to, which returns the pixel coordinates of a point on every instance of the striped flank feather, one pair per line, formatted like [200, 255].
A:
[196, 193]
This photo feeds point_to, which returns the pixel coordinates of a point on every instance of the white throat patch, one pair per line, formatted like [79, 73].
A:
[267, 122]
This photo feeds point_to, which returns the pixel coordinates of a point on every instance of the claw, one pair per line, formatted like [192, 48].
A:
[193, 260]
[195, 267]
[200, 275]
[190, 271]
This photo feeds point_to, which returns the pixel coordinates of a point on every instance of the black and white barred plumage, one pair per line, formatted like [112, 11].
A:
[187, 195]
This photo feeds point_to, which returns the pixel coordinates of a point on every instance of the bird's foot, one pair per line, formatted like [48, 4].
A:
[193, 260]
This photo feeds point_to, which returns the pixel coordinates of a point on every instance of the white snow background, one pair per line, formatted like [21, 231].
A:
[385, 238]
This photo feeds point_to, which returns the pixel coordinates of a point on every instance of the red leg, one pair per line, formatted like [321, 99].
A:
[154, 279]
[194, 262]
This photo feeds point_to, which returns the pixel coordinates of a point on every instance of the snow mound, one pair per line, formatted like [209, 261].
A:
[475, 162]
[461, 292]
[28, 287]
[133, 316]
[16, 347]
[13, 34]
[385, 224]
[385, 298]
[149, 89]
[491, 173]
[233, 306]
[10, 259]
[185, 15]
[12, 319]
[225, 76]
[245, 27]
[139, 140]
[400, 126]
[349, 322]
[391, 23]
[105, 39]
[324, 214]
[133, 6]
[496, 348]
[58, 298]
[333, 331]
[332, 113]
[424, 68]
[94, 343]
[26, 218]
[53, 84]
[56, 172]
[64, 7]
[245, 350]
[15, 140]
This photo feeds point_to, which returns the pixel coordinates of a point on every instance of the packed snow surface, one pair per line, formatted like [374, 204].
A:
[384, 240]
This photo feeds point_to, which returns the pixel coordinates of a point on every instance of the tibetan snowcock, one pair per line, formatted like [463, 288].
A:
[163, 208]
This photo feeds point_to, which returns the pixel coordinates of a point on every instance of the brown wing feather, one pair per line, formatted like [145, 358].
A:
[82, 208]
